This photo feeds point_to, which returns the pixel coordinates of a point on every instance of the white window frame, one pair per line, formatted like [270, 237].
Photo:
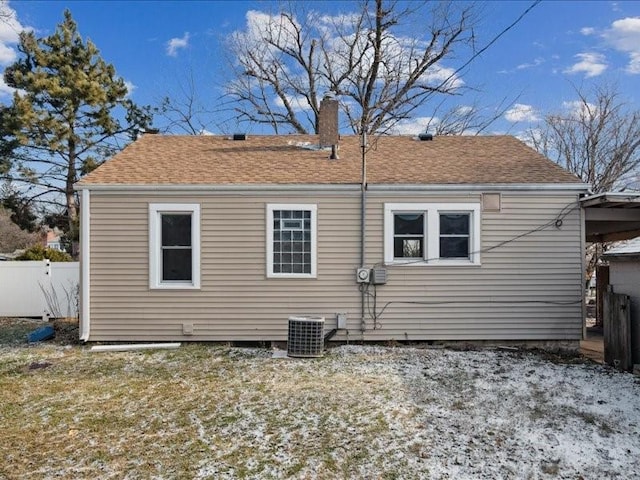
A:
[156, 210]
[313, 208]
[431, 251]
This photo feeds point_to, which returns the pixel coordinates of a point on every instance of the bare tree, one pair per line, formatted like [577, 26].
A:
[11, 236]
[372, 59]
[184, 112]
[471, 118]
[597, 137]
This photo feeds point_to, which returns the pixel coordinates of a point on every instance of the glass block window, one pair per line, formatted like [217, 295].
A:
[292, 240]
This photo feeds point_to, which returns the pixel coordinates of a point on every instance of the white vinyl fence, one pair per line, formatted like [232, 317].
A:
[39, 289]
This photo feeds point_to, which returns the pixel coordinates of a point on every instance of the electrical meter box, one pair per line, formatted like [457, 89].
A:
[378, 276]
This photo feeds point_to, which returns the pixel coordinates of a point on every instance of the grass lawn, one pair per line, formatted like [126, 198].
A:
[206, 411]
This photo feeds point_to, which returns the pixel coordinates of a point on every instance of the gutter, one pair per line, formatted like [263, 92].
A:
[120, 187]
[606, 197]
[475, 187]
[343, 187]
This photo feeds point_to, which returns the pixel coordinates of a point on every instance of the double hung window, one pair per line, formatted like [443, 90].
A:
[174, 245]
[455, 229]
[408, 235]
[432, 233]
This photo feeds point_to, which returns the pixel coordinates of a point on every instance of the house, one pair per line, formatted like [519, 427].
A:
[53, 240]
[624, 278]
[212, 238]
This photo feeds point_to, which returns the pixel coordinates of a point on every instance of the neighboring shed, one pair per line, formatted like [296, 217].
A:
[624, 278]
[211, 238]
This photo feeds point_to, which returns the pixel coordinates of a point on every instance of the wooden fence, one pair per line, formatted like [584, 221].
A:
[617, 330]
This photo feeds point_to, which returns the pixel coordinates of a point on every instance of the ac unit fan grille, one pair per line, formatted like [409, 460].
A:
[306, 337]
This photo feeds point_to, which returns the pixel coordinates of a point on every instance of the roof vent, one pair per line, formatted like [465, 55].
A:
[239, 136]
[425, 137]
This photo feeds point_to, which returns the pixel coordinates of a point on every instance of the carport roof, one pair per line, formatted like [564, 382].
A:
[612, 216]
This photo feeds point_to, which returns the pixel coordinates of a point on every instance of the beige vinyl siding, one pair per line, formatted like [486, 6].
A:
[490, 301]
[237, 302]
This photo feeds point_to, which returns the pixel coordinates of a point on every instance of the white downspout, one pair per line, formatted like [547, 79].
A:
[85, 265]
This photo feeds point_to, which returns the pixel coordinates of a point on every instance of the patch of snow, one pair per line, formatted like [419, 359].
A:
[359, 412]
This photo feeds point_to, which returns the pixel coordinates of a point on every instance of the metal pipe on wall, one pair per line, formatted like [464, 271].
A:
[363, 228]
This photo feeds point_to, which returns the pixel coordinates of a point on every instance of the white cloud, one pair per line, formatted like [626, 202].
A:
[624, 36]
[536, 62]
[130, 87]
[262, 25]
[404, 52]
[5, 90]
[298, 104]
[7, 54]
[587, 31]
[521, 113]
[591, 64]
[10, 29]
[634, 63]
[414, 126]
[530, 137]
[443, 75]
[176, 44]
[579, 109]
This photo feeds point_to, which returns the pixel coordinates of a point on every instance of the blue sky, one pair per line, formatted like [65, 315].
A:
[156, 46]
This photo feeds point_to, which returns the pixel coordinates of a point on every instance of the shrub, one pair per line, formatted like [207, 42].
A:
[38, 252]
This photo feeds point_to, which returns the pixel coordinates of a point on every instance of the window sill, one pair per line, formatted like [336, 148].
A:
[291, 275]
[433, 263]
[174, 286]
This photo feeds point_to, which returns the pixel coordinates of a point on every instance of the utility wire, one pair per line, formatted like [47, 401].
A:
[556, 222]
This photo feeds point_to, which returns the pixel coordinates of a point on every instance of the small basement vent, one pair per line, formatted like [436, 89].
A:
[306, 337]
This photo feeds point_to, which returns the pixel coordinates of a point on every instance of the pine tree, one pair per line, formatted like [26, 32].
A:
[70, 112]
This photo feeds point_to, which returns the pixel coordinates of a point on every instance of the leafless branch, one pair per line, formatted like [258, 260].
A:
[597, 137]
[284, 62]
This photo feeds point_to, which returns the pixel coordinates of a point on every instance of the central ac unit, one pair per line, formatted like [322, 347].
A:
[306, 337]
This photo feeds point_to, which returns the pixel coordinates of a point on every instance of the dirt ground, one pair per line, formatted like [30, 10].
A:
[213, 412]
[14, 331]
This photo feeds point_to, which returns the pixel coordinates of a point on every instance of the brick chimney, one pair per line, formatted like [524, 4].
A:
[328, 121]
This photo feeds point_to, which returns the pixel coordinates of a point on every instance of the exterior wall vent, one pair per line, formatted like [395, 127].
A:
[306, 337]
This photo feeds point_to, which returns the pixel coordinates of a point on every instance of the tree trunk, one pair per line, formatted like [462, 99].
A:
[72, 206]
